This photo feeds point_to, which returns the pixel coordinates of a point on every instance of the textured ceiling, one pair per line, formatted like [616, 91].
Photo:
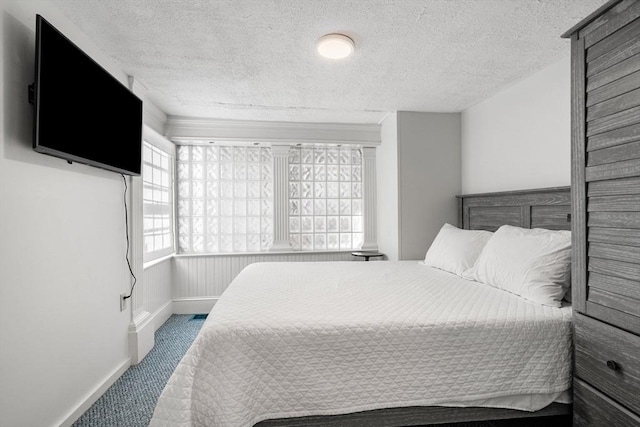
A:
[255, 59]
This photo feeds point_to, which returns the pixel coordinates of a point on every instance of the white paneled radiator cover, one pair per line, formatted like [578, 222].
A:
[208, 276]
[157, 282]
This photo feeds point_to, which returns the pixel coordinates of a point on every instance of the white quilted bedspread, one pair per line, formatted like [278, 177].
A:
[297, 339]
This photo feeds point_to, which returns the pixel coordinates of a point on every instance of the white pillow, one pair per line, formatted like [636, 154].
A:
[535, 264]
[456, 250]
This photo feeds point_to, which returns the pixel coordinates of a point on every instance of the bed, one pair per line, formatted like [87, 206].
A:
[379, 343]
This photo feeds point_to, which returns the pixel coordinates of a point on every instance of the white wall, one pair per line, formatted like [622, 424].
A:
[521, 137]
[429, 177]
[387, 188]
[419, 173]
[62, 252]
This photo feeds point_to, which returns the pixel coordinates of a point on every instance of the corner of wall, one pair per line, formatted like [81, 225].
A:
[153, 116]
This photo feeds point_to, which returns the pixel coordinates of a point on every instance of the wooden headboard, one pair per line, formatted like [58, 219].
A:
[540, 208]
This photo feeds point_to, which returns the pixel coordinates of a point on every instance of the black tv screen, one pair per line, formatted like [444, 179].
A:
[82, 113]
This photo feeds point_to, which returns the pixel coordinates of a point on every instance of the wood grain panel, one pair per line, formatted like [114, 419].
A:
[615, 284]
[614, 154]
[597, 343]
[617, 318]
[541, 197]
[578, 183]
[551, 217]
[525, 217]
[606, 150]
[623, 270]
[620, 236]
[614, 105]
[614, 219]
[606, 23]
[626, 203]
[594, 409]
[613, 89]
[622, 35]
[615, 252]
[620, 53]
[465, 217]
[545, 208]
[614, 121]
[491, 218]
[614, 137]
[608, 75]
[593, 20]
[623, 169]
[613, 187]
[615, 301]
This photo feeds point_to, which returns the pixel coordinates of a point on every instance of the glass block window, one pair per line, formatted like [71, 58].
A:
[325, 198]
[157, 205]
[225, 199]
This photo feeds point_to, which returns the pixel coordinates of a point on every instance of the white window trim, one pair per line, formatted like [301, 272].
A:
[189, 181]
[266, 253]
[281, 196]
[156, 140]
[159, 141]
[190, 129]
[156, 261]
[338, 198]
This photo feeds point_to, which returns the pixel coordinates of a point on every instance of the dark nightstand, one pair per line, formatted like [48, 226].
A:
[367, 255]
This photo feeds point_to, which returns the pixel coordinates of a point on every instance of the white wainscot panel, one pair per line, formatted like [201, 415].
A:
[157, 281]
[200, 280]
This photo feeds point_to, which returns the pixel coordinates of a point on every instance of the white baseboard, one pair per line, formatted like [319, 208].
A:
[142, 331]
[201, 305]
[141, 336]
[95, 395]
[148, 324]
[162, 314]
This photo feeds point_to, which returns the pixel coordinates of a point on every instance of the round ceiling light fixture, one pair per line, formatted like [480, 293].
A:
[335, 46]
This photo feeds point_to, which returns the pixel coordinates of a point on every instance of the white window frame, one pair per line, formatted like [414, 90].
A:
[320, 185]
[168, 148]
[229, 195]
[281, 200]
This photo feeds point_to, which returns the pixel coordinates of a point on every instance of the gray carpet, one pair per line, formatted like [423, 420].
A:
[129, 402]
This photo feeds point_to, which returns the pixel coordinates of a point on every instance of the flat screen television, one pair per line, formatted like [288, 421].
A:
[82, 113]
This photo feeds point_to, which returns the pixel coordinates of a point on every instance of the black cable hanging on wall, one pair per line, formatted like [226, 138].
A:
[126, 226]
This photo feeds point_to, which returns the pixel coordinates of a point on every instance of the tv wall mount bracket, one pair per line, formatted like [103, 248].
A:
[32, 93]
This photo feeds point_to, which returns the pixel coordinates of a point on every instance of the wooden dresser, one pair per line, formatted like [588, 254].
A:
[605, 62]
